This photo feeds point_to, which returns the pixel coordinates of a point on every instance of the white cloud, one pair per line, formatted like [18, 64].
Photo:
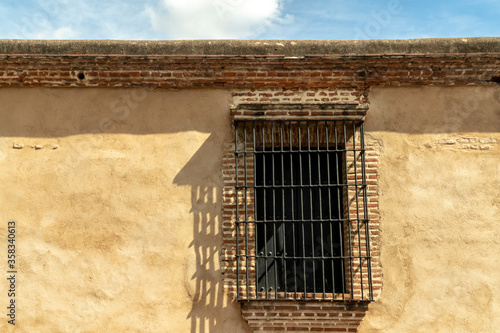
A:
[78, 19]
[220, 19]
[49, 32]
[64, 33]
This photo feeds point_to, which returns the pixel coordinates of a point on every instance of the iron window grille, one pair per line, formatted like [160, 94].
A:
[302, 228]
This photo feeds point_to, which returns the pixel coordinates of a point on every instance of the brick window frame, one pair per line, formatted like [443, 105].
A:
[269, 313]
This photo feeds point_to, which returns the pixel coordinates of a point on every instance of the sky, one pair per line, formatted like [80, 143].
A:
[247, 19]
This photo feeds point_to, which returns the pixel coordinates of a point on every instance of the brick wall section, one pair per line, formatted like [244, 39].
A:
[303, 111]
[312, 316]
[303, 96]
[371, 162]
[228, 251]
[249, 72]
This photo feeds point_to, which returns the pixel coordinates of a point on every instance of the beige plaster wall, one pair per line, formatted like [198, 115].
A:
[116, 197]
[440, 209]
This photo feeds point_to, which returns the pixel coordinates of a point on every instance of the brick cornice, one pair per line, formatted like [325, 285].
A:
[248, 72]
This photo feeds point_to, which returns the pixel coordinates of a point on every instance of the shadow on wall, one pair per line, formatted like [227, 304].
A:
[209, 299]
[111, 158]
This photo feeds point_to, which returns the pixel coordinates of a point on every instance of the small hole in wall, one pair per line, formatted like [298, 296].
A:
[495, 79]
[81, 76]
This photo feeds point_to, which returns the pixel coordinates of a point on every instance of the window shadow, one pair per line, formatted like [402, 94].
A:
[130, 144]
[212, 309]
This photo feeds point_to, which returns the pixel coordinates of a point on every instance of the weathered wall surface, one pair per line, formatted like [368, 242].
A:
[116, 195]
[440, 208]
[116, 199]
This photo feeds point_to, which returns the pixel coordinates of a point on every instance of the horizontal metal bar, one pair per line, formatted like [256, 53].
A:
[302, 119]
[335, 299]
[302, 258]
[294, 151]
[302, 221]
[279, 186]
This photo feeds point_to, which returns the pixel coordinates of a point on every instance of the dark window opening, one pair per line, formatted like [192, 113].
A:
[298, 202]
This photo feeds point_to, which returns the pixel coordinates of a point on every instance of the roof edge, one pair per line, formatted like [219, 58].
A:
[290, 48]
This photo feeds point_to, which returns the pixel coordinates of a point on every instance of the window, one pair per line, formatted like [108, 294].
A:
[301, 212]
[298, 215]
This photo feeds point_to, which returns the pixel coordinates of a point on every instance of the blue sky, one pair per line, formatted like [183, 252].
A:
[247, 19]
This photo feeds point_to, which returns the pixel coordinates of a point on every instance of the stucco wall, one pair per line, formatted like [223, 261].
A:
[440, 208]
[116, 198]
[116, 195]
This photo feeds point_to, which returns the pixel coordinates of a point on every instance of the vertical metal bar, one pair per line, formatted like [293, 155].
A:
[365, 210]
[355, 161]
[283, 219]
[311, 210]
[264, 208]
[274, 236]
[348, 212]
[247, 252]
[255, 207]
[339, 210]
[329, 186]
[292, 192]
[320, 195]
[237, 215]
[302, 210]
[327, 139]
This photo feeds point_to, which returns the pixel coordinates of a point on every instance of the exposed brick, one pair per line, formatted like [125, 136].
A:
[308, 317]
[283, 316]
[327, 72]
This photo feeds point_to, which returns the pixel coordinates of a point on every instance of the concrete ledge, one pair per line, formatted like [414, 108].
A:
[290, 48]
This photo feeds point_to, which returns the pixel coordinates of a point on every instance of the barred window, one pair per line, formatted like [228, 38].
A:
[301, 214]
